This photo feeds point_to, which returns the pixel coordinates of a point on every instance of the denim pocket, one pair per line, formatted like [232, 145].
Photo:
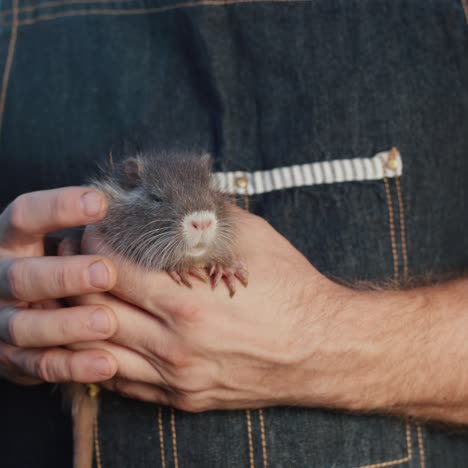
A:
[345, 215]
[320, 439]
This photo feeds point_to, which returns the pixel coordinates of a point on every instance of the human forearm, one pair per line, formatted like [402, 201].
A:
[401, 352]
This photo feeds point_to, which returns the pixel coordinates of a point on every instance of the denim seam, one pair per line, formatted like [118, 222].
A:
[391, 222]
[401, 211]
[45, 5]
[139, 11]
[263, 436]
[161, 437]
[249, 435]
[398, 461]
[174, 439]
[422, 457]
[97, 445]
[9, 61]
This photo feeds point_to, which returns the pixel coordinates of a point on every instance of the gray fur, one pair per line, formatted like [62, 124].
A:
[144, 220]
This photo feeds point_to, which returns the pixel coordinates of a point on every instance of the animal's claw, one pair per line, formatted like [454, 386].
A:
[182, 276]
[237, 270]
[175, 276]
[199, 273]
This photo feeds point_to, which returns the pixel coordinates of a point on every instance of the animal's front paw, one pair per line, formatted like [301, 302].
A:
[230, 273]
[183, 276]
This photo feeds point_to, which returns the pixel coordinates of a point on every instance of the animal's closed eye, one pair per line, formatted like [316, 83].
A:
[155, 198]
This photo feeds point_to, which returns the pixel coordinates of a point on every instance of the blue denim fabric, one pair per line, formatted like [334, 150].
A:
[260, 84]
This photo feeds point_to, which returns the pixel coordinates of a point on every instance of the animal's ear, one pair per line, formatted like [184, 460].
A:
[132, 169]
[207, 160]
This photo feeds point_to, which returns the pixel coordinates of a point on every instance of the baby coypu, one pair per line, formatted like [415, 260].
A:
[166, 213]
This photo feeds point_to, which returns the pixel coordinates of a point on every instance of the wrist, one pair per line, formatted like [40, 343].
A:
[326, 371]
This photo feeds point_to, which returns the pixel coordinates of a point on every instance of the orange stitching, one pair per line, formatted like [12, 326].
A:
[422, 457]
[9, 60]
[174, 439]
[139, 11]
[402, 228]
[400, 460]
[161, 438]
[465, 9]
[44, 5]
[263, 434]
[249, 433]
[97, 447]
[391, 220]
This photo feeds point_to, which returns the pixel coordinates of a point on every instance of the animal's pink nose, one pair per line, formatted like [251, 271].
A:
[202, 224]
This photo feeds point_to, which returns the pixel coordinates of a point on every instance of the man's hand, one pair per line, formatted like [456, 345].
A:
[292, 337]
[33, 324]
[199, 349]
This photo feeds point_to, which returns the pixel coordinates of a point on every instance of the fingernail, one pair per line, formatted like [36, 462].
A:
[103, 367]
[98, 275]
[92, 203]
[99, 321]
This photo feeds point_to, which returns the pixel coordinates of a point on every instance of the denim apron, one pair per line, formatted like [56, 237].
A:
[301, 102]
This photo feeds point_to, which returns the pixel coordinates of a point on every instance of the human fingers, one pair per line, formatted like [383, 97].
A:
[147, 334]
[189, 402]
[37, 278]
[34, 214]
[131, 365]
[31, 328]
[139, 391]
[56, 364]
